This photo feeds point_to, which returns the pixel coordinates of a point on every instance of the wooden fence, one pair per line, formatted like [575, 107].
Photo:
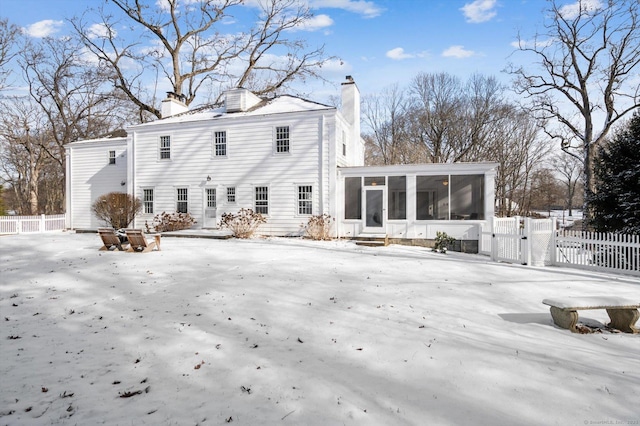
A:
[26, 224]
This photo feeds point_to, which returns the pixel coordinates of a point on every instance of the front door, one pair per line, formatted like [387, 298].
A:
[209, 208]
[374, 210]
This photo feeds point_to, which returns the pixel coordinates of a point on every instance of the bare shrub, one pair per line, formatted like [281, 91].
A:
[319, 227]
[165, 222]
[243, 224]
[117, 209]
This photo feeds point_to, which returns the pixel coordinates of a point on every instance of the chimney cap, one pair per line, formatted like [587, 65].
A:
[174, 95]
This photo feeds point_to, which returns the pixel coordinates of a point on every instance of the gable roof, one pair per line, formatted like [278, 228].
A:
[278, 105]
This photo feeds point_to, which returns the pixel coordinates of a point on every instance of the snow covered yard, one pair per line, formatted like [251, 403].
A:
[287, 331]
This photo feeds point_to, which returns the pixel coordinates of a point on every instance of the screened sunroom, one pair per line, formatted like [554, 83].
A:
[416, 201]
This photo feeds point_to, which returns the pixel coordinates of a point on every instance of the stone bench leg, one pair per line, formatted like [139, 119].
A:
[564, 318]
[624, 319]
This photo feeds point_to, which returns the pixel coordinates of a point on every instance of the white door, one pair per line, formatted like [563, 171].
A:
[374, 211]
[210, 208]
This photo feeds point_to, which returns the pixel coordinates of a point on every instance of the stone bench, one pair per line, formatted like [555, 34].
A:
[622, 312]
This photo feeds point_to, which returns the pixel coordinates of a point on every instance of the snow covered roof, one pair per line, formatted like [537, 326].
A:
[279, 105]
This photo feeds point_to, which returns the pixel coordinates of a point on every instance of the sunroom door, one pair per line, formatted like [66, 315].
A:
[210, 211]
[374, 211]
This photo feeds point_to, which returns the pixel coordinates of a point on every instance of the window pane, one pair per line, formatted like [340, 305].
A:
[231, 194]
[211, 198]
[262, 199]
[148, 200]
[112, 157]
[165, 147]
[397, 197]
[305, 197]
[467, 197]
[282, 139]
[353, 198]
[182, 204]
[432, 195]
[373, 181]
[221, 143]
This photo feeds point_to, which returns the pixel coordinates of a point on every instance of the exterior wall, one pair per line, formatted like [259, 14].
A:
[89, 175]
[250, 161]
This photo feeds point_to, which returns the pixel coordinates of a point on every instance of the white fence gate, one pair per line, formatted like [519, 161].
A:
[24, 224]
[536, 242]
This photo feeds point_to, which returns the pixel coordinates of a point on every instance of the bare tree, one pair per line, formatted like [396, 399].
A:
[385, 115]
[583, 82]
[191, 49]
[569, 168]
[9, 34]
[22, 136]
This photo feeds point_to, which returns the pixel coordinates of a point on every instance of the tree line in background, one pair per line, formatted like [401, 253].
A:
[94, 82]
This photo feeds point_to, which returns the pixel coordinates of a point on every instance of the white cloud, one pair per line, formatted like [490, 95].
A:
[316, 23]
[43, 28]
[368, 9]
[457, 51]
[398, 54]
[100, 31]
[479, 11]
[572, 11]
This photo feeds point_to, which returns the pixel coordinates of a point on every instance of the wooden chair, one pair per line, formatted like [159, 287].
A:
[110, 240]
[138, 242]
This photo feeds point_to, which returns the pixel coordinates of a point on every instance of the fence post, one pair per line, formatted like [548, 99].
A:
[43, 223]
[525, 242]
[554, 234]
[494, 248]
[18, 226]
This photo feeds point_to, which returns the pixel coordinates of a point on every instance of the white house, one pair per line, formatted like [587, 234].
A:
[286, 157]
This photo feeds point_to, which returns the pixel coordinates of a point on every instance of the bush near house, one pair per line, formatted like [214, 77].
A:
[443, 242]
[319, 227]
[243, 224]
[165, 222]
[117, 209]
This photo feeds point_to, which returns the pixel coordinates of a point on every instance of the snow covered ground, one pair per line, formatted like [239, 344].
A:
[296, 332]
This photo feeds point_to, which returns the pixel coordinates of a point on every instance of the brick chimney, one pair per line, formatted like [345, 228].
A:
[174, 104]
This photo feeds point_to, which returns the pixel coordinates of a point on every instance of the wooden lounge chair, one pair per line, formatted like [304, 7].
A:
[138, 242]
[110, 240]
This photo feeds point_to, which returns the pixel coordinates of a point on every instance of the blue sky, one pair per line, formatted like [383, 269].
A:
[380, 42]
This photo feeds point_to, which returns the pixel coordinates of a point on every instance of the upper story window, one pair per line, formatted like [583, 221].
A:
[165, 147]
[147, 200]
[231, 194]
[112, 157]
[282, 139]
[305, 199]
[182, 204]
[220, 144]
[262, 199]
[344, 143]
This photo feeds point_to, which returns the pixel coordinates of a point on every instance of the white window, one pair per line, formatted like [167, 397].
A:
[165, 147]
[231, 194]
[262, 200]
[282, 139]
[344, 143]
[147, 200]
[112, 157]
[305, 199]
[211, 198]
[182, 204]
[220, 144]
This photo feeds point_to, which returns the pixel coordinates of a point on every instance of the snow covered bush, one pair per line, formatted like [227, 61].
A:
[319, 227]
[243, 224]
[443, 242]
[116, 209]
[165, 222]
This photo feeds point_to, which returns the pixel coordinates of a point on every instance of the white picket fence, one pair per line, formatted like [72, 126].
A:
[25, 224]
[536, 242]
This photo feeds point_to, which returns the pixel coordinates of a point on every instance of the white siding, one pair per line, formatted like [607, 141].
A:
[90, 175]
[250, 161]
